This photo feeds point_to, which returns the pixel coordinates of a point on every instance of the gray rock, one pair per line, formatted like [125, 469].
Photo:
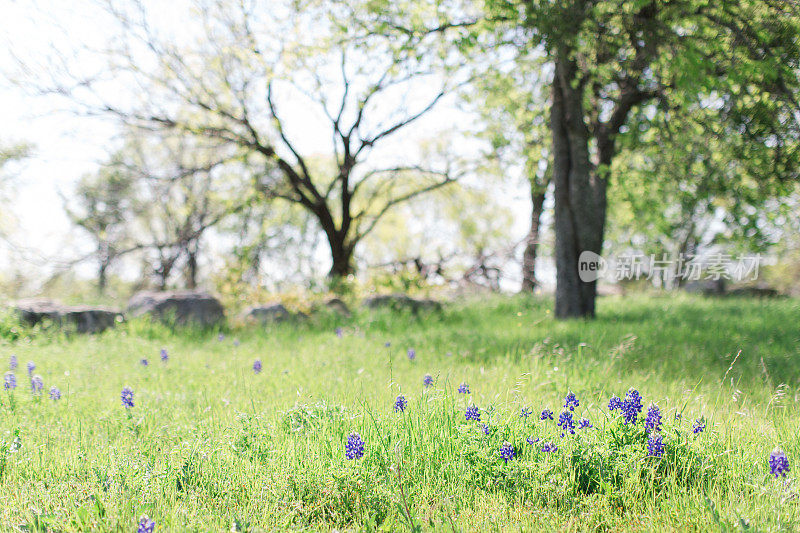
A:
[400, 302]
[178, 307]
[756, 291]
[83, 319]
[708, 287]
[338, 306]
[267, 313]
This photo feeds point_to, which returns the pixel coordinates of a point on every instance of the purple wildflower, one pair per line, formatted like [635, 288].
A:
[566, 423]
[339, 332]
[55, 393]
[146, 525]
[546, 413]
[164, 355]
[31, 367]
[549, 447]
[400, 404]
[144, 362]
[12, 362]
[354, 448]
[699, 425]
[463, 388]
[525, 412]
[427, 380]
[614, 403]
[221, 337]
[257, 366]
[531, 440]
[653, 420]
[127, 397]
[37, 384]
[778, 463]
[412, 354]
[473, 413]
[486, 429]
[236, 343]
[387, 344]
[584, 423]
[655, 445]
[9, 381]
[507, 452]
[571, 401]
[632, 406]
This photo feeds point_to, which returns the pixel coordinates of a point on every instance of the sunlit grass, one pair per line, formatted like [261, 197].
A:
[210, 445]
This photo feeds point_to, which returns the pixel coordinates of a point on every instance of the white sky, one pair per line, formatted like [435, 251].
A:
[67, 146]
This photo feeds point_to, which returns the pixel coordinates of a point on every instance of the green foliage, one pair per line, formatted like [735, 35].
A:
[210, 445]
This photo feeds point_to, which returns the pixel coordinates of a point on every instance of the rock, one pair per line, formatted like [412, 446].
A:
[267, 313]
[756, 291]
[338, 306]
[84, 319]
[708, 287]
[178, 307]
[401, 301]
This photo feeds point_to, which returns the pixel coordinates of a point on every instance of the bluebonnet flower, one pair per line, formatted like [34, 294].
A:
[473, 413]
[412, 354]
[12, 362]
[31, 367]
[531, 440]
[486, 429]
[546, 413]
[507, 452]
[699, 426]
[525, 412]
[127, 397]
[614, 403]
[55, 393]
[655, 445]
[37, 384]
[678, 416]
[463, 388]
[566, 423]
[653, 420]
[427, 380]
[549, 447]
[387, 344]
[354, 448]
[9, 381]
[221, 337]
[632, 406]
[571, 401]
[400, 404]
[339, 332]
[778, 463]
[144, 362]
[257, 366]
[236, 343]
[164, 355]
[584, 423]
[146, 525]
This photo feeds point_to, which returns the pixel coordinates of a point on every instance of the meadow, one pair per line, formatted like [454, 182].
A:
[215, 441]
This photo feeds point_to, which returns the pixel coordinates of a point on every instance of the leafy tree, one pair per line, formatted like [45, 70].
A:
[735, 63]
[256, 76]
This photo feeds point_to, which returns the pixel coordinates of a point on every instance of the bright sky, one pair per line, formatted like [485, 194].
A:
[67, 146]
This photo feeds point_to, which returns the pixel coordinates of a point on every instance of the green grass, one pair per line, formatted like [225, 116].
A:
[212, 446]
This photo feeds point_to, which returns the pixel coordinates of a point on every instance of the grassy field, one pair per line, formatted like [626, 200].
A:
[211, 445]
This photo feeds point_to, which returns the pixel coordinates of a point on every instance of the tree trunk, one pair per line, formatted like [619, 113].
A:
[341, 256]
[191, 270]
[580, 195]
[102, 276]
[529, 281]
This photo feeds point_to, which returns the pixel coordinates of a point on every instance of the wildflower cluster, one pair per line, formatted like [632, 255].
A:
[778, 463]
[507, 452]
[400, 404]
[127, 397]
[354, 447]
[566, 423]
[653, 421]
[546, 414]
[427, 380]
[473, 413]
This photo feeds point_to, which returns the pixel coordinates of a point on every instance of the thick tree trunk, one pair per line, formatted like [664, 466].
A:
[580, 195]
[191, 270]
[529, 281]
[341, 256]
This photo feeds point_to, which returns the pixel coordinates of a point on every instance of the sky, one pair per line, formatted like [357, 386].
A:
[66, 145]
